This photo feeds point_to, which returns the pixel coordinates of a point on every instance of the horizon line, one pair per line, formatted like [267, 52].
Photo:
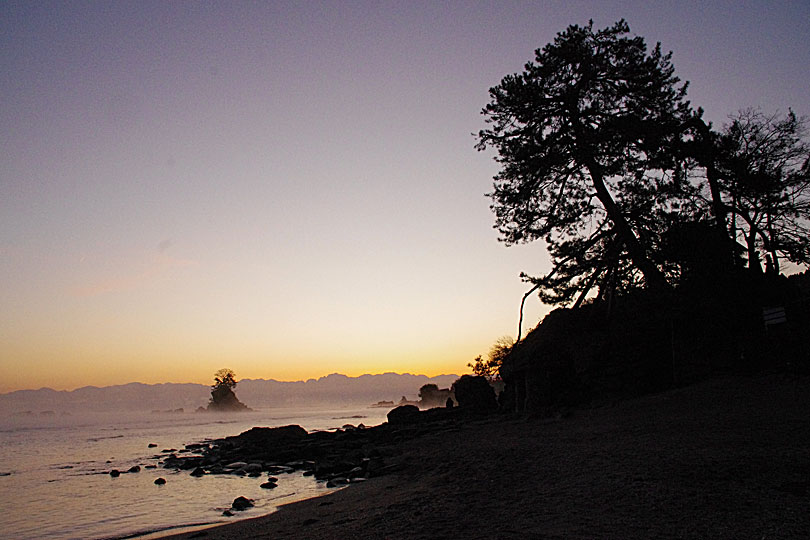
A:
[240, 380]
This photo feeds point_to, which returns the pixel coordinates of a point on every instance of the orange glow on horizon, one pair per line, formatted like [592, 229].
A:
[97, 370]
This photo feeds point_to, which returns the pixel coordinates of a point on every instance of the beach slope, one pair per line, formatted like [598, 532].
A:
[726, 458]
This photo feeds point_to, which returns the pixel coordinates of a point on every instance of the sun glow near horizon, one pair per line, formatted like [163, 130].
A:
[88, 373]
[178, 323]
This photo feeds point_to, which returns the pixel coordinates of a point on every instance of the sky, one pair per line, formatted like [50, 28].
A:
[291, 189]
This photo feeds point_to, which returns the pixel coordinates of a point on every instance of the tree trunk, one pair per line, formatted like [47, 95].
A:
[753, 256]
[771, 246]
[705, 155]
[522, 303]
[706, 158]
[652, 275]
[719, 210]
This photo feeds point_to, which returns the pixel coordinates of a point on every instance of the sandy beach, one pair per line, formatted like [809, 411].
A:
[727, 458]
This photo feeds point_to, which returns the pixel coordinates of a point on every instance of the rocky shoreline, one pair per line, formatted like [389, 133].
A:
[339, 457]
[725, 458]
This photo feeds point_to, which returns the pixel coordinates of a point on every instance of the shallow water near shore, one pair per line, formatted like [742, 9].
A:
[54, 480]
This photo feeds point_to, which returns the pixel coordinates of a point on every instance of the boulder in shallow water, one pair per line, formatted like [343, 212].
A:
[280, 469]
[253, 468]
[241, 503]
[335, 482]
[271, 437]
[197, 446]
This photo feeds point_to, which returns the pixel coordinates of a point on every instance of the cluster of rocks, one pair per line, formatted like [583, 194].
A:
[115, 473]
[343, 456]
[337, 457]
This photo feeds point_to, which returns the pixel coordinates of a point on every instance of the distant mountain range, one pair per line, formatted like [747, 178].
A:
[332, 390]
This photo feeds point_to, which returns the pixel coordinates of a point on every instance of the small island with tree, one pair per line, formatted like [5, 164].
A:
[223, 398]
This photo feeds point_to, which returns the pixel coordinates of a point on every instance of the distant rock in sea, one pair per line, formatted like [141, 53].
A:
[383, 404]
[223, 399]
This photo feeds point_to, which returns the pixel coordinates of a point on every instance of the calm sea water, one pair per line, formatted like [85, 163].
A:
[54, 480]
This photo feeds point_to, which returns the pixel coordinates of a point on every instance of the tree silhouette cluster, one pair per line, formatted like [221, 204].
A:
[474, 393]
[430, 395]
[490, 368]
[604, 159]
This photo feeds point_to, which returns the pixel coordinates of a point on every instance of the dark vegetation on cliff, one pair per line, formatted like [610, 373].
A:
[647, 343]
[657, 225]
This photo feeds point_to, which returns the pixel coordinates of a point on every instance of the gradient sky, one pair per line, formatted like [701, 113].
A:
[290, 189]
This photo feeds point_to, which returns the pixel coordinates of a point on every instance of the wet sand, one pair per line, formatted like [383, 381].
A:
[727, 458]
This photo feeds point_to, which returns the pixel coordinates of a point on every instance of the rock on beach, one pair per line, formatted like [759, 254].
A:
[241, 503]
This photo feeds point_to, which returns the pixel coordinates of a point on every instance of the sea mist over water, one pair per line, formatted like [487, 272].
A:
[332, 391]
[57, 448]
[54, 470]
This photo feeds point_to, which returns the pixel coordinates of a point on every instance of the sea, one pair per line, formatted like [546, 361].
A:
[55, 481]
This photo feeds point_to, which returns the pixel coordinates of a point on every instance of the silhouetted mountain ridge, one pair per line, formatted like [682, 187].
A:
[331, 390]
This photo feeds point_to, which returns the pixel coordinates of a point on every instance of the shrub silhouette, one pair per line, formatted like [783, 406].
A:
[430, 395]
[474, 392]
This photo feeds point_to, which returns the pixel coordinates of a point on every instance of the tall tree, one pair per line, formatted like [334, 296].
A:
[765, 179]
[584, 137]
